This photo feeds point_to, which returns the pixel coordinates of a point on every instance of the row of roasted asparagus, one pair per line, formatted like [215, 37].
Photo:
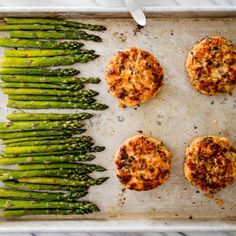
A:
[55, 174]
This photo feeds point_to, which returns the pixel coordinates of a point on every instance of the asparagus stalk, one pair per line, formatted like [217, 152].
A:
[45, 148]
[80, 141]
[44, 53]
[55, 104]
[35, 43]
[35, 187]
[78, 34]
[17, 213]
[89, 167]
[48, 79]
[47, 159]
[50, 92]
[6, 127]
[46, 61]
[51, 98]
[6, 174]
[44, 21]
[64, 182]
[47, 133]
[48, 116]
[29, 139]
[60, 153]
[20, 204]
[39, 71]
[42, 85]
[46, 196]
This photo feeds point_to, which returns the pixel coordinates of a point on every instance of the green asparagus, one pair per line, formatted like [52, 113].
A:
[78, 34]
[71, 87]
[51, 98]
[48, 133]
[48, 116]
[46, 159]
[6, 174]
[20, 204]
[39, 71]
[45, 196]
[29, 139]
[35, 187]
[6, 127]
[48, 79]
[50, 92]
[80, 141]
[44, 53]
[60, 153]
[43, 21]
[46, 61]
[45, 148]
[55, 104]
[35, 43]
[17, 213]
[89, 167]
[60, 181]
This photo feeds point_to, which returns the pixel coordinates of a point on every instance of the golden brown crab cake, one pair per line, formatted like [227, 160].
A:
[210, 163]
[134, 76]
[211, 66]
[143, 163]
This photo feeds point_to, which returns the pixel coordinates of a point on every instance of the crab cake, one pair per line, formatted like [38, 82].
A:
[143, 163]
[211, 66]
[134, 76]
[210, 163]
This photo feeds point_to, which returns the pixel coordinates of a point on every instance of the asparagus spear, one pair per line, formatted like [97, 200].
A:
[39, 71]
[78, 34]
[89, 167]
[48, 79]
[60, 181]
[42, 85]
[47, 159]
[17, 213]
[60, 153]
[50, 92]
[45, 148]
[80, 141]
[35, 187]
[44, 21]
[29, 139]
[51, 98]
[55, 104]
[6, 127]
[16, 135]
[44, 53]
[46, 61]
[20, 204]
[45, 196]
[48, 116]
[6, 174]
[35, 43]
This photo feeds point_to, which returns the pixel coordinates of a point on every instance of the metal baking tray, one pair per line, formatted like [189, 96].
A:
[176, 116]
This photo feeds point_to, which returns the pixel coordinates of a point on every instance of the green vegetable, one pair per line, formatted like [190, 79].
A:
[44, 21]
[48, 79]
[46, 61]
[44, 53]
[35, 43]
[48, 116]
[55, 104]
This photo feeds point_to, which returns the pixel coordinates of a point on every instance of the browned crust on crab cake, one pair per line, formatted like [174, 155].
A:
[211, 66]
[143, 163]
[134, 76]
[210, 163]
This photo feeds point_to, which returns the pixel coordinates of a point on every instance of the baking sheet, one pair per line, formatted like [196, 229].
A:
[176, 116]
